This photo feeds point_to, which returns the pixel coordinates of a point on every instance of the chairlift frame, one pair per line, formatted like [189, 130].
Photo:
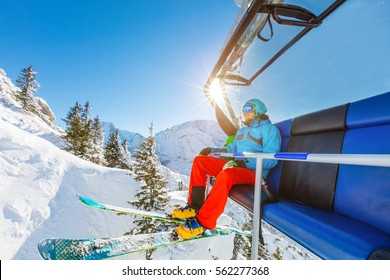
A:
[302, 17]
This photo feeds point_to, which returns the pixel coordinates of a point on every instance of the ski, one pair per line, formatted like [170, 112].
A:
[104, 248]
[147, 214]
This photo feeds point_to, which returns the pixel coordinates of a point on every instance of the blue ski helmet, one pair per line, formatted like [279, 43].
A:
[255, 105]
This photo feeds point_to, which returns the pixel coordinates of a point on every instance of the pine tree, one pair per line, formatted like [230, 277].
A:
[26, 81]
[152, 194]
[75, 132]
[88, 132]
[113, 150]
[243, 244]
[181, 186]
[277, 254]
[84, 137]
[97, 142]
[86, 112]
[126, 156]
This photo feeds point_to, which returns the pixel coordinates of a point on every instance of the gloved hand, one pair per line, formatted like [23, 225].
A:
[230, 164]
[205, 151]
[236, 163]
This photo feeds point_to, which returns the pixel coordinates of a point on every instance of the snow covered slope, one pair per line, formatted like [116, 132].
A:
[11, 112]
[39, 183]
[38, 186]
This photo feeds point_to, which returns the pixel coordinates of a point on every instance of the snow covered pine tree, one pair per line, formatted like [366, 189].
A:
[28, 85]
[152, 194]
[83, 136]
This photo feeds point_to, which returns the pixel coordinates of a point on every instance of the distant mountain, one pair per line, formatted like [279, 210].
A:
[133, 139]
[177, 146]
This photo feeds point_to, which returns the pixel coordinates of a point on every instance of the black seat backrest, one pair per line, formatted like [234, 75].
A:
[319, 132]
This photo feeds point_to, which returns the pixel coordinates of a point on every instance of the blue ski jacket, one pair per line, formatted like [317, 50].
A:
[260, 137]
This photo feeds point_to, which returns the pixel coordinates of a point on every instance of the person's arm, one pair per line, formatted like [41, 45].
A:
[271, 144]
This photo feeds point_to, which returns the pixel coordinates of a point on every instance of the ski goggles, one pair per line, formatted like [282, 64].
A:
[248, 108]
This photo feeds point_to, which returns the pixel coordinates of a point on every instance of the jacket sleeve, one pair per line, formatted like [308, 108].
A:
[271, 144]
[232, 148]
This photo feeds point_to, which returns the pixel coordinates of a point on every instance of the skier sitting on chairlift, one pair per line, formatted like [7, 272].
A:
[257, 136]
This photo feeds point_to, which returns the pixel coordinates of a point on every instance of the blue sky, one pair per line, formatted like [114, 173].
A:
[143, 61]
[135, 61]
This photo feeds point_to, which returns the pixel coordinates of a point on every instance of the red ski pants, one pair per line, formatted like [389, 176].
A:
[214, 205]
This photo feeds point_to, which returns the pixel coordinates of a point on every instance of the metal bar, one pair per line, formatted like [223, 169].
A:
[240, 29]
[229, 46]
[353, 159]
[256, 228]
[301, 34]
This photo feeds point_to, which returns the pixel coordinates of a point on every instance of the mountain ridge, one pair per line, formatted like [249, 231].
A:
[176, 146]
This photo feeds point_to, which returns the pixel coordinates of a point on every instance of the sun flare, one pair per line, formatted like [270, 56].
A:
[216, 91]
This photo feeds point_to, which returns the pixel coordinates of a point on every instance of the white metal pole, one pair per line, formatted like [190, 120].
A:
[257, 210]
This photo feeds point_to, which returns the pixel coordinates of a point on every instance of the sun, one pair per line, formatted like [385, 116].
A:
[216, 91]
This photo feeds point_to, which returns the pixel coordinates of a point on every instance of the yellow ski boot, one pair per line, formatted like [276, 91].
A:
[185, 212]
[190, 229]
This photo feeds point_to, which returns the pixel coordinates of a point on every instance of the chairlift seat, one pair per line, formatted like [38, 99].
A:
[335, 211]
[327, 234]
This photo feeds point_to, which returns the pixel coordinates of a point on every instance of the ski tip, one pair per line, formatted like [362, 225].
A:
[43, 247]
[90, 202]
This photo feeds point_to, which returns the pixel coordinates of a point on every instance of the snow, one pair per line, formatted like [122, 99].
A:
[39, 184]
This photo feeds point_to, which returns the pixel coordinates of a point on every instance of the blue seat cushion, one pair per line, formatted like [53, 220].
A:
[372, 111]
[274, 174]
[327, 234]
[284, 128]
[309, 182]
[363, 192]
